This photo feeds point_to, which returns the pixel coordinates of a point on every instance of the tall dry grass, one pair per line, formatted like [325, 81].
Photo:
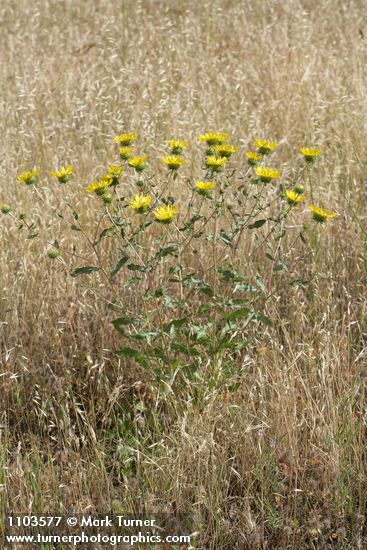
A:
[281, 462]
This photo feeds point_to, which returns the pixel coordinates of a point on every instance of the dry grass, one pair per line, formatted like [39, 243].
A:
[280, 463]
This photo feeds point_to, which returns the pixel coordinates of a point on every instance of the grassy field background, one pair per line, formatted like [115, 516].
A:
[281, 462]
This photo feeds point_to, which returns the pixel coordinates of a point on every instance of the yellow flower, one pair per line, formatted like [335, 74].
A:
[177, 146]
[125, 152]
[139, 163]
[294, 198]
[166, 213]
[100, 187]
[321, 215]
[28, 177]
[264, 146]
[266, 174]
[215, 164]
[64, 174]
[310, 154]
[213, 138]
[141, 203]
[126, 139]
[115, 171]
[253, 158]
[204, 187]
[225, 150]
[173, 163]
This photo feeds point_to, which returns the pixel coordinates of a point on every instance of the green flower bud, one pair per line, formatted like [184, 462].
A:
[53, 253]
[299, 188]
[6, 209]
[107, 198]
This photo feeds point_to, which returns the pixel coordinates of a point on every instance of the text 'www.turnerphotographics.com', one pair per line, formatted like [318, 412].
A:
[108, 529]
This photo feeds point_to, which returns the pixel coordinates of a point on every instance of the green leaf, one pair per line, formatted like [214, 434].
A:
[190, 351]
[281, 265]
[257, 224]
[223, 236]
[158, 293]
[121, 322]
[128, 353]
[147, 336]
[191, 222]
[175, 323]
[102, 235]
[238, 314]
[227, 274]
[260, 283]
[206, 289]
[280, 235]
[199, 333]
[120, 262]
[138, 267]
[299, 282]
[166, 251]
[190, 370]
[263, 319]
[224, 344]
[118, 221]
[74, 227]
[158, 352]
[233, 387]
[84, 270]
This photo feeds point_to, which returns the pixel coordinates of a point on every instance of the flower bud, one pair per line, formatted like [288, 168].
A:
[6, 209]
[53, 253]
[107, 198]
[299, 188]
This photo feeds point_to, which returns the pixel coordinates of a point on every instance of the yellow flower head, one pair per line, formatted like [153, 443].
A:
[166, 213]
[294, 198]
[177, 146]
[28, 177]
[204, 187]
[253, 158]
[264, 146]
[215, 164]
[225, 150]
[310, 154]
[64, 174]
[213, 138]
[139, 163]
[321, 215]
[141, 203]
[126, 139]
[100, 187]
[266, 174]
[173, 163]
[115, 171]
[125, 152]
